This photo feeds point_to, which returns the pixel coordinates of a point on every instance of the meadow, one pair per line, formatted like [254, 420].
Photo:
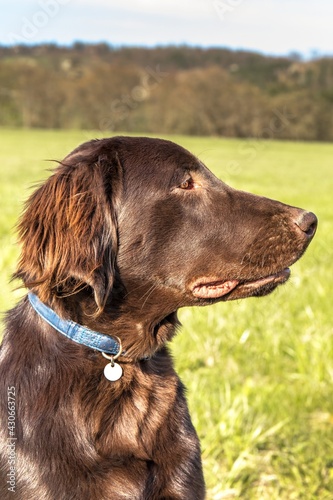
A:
[259, 372]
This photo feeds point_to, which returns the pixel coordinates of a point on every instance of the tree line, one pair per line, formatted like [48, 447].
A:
[183, 90]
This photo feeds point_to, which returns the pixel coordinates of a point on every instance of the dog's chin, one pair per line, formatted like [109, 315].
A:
[209, 291]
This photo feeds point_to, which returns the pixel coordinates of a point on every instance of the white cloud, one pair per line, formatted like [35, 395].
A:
[170, 8]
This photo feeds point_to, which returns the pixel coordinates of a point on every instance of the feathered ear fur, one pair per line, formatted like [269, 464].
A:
[69, 228]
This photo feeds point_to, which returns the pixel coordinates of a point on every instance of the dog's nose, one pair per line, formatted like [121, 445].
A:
[307, 222]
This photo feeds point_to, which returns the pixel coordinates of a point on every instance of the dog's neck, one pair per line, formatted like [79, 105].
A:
[78, 333]
[140, 333]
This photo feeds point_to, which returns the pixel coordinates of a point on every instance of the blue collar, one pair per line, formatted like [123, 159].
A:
[74, 331]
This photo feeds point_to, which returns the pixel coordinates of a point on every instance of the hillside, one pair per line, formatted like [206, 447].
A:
[181, 90]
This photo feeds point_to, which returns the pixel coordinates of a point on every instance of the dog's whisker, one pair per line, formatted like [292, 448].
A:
[148, 294]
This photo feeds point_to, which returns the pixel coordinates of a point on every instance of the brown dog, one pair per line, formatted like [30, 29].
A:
[124, 233]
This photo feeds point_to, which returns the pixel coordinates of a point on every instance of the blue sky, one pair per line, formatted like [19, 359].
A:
[269, 26]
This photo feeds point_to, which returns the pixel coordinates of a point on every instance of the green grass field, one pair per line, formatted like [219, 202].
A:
[259, 372]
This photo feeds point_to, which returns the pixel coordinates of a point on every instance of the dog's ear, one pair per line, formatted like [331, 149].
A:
[69, 228]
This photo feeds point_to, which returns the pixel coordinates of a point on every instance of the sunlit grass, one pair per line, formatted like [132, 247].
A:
[259, 372]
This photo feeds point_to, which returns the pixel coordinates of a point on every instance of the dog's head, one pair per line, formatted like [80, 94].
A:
[141, 225]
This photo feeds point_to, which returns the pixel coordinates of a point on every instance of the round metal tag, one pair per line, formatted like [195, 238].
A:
[114, 372]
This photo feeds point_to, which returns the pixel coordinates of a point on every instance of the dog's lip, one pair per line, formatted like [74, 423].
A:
[208, 288]
[276, 278]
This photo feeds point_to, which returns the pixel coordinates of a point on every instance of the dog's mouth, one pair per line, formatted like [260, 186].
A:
[208, 289]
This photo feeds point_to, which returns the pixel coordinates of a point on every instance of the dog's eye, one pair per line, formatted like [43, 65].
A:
[188, 184]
